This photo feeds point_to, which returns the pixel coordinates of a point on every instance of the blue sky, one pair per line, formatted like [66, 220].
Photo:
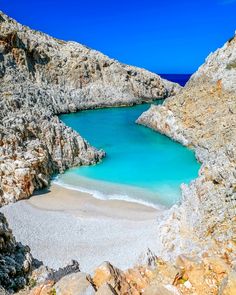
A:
[163, 36]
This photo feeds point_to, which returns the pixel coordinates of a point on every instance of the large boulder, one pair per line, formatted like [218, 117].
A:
[74, 284]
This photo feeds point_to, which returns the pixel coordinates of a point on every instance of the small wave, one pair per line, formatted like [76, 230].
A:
[102, 196]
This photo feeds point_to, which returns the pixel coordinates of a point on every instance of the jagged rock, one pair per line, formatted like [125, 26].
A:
[36, 149]
[188, 276]
[107, 273]
[219, 68]
[42, 273]
[132, 282]
[15, 259]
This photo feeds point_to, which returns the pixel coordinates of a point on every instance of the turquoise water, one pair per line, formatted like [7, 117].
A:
[140, 164]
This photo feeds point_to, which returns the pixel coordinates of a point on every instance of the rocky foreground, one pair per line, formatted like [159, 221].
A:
[210, 274]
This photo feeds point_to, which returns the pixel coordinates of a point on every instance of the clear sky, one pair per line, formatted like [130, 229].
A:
[163, 36]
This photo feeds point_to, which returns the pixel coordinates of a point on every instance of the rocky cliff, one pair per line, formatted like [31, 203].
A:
[203, 116]
[66, 76]
[15, 259]
[41, 77]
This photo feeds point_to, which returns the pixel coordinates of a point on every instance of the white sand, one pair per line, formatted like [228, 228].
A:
[62, 224]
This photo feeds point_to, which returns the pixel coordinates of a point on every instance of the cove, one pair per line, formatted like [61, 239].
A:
[140, 165]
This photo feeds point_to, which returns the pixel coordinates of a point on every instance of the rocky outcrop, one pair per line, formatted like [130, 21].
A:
[209, 274]
[15, 260]
[218, 69]
[203, 117]
[32, 149]
[42, 77]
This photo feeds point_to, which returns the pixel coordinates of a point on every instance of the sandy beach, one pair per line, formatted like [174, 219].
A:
[61, 224]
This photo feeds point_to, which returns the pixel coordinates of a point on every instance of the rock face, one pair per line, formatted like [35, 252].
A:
[32, 149]
[219, 68]
[66, 76]
[203, 116]
[15, 259]
[42, 77]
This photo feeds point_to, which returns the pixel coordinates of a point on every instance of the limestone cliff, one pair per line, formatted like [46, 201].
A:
[66, 76]
[34, 147]
[41, 77]
[203, 116]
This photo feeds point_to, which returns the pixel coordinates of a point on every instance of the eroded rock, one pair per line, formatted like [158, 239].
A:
[15, 259]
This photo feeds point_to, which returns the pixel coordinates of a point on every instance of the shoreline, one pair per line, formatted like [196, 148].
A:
[84, 204]
[60, 224]
[108, 194]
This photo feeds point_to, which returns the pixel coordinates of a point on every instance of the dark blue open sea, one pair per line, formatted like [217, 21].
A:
[182, 79]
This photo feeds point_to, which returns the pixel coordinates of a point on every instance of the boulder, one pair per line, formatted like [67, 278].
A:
[107, 273]
[74, 284]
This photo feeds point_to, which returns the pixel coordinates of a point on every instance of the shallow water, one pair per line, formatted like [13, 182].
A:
[140, 165]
